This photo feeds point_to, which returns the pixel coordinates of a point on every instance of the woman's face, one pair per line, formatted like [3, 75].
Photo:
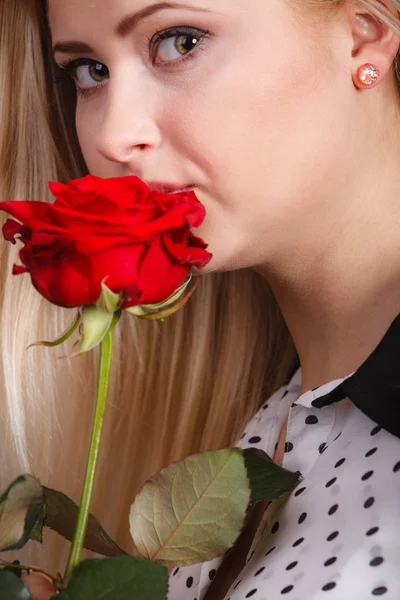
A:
[235, 99]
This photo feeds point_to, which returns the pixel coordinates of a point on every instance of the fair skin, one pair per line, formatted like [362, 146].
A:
[296, 166]
[296, 163]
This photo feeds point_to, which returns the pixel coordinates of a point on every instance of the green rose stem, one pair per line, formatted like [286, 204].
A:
[103, 379]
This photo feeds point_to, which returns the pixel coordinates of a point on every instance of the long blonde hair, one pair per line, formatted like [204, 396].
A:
[177, 388]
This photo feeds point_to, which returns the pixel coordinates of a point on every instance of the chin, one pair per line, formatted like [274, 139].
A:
[219, 265]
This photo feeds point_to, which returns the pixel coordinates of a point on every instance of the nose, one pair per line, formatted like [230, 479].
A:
[129, 128]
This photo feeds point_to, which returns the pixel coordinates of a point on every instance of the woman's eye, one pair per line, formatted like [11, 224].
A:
[175, 44]
[86, 72]
[170, 46]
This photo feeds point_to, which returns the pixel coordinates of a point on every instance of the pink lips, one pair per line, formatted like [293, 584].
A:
[168, 188]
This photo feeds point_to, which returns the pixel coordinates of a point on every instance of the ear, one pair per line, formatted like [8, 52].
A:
[374, 43]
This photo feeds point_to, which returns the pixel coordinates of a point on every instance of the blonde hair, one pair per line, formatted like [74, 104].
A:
[177, 388]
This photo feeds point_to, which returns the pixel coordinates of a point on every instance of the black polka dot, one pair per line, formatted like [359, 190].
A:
[250, 594]
[330, 561]
[396, 467]
[292, 565]
[237, 584]
[368, 503]
[337, 437]
[322, 448]
[372, 531]
[250, 557]
[212, 574]
[270, 550]
[255, 440]
[300, 491]
[379, 591]
[375, 562]
[259, 571]
[331, 482]
[298, 542]
[367, 476]
[175, 572]
[312, 420]
[333, 509]
[288, 447]
[376, 430]
[340, 463]
[265, 406]
[275, 527]
[285, 394]
[302, 518]
[189, 582]
[371, 452]
[332, 536]
[329, 586]
[287, 589]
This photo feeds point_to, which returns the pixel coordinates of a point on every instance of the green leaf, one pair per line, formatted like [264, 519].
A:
[13, 567]
[11, 587]
[193, 510]
[63, 337]
[36, 534]
[95, 323]
[60, 515]
[120, 578]
[20, 508]
[268, 481]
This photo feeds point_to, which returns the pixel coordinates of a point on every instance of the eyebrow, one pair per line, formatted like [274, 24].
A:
[125, 27]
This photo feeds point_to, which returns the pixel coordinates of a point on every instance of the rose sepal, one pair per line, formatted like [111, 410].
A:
[94, 325]
[63, 337]
[163, 310]
[109, 301]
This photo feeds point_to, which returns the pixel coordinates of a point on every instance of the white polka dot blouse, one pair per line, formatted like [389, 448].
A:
[338, 535]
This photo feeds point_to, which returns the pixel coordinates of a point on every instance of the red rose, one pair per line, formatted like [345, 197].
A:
[115, 229]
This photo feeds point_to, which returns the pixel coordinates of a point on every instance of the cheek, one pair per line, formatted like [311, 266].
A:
[84, 124]
[88, 122]
[258, 118]
[265, 133]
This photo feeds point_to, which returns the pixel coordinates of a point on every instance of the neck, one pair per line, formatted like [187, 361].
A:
[340, 292]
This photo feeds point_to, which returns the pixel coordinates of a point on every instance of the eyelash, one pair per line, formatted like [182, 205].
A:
[68, 69]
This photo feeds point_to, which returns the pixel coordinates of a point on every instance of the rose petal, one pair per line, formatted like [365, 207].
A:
[18, 270]
[119, 265]
[10, 229]
[188, 251]
[25, 211]
[114, 228]
[159, 276]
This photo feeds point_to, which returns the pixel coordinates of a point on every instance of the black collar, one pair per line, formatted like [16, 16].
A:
[375, 387]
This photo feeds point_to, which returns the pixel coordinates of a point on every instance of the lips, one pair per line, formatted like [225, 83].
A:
[168, 188]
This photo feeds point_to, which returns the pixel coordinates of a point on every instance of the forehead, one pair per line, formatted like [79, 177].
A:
[76, 16]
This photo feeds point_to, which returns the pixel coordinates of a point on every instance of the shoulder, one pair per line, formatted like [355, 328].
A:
[338, 532]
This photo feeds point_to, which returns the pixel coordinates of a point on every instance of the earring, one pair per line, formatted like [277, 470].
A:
[367, 75]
